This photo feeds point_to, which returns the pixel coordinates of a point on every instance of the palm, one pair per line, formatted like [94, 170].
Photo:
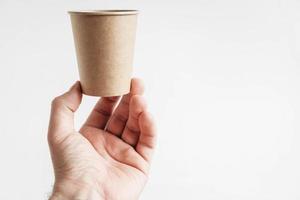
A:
[125, 168]
[113, 149]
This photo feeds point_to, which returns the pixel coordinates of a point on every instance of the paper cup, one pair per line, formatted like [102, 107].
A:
[104, 42]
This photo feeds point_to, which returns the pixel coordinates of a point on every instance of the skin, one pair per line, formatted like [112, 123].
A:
[110, 156]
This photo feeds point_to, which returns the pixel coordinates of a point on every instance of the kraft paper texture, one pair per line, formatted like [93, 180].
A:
[104, 43]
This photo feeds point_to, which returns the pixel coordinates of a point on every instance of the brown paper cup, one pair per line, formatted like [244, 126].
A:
[104, 42]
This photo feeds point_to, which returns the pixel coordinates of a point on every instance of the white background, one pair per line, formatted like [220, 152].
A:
[222, 80]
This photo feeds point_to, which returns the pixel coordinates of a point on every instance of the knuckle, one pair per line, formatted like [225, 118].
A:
[56, 102]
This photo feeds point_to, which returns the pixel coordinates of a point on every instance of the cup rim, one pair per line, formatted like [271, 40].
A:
[103, 12]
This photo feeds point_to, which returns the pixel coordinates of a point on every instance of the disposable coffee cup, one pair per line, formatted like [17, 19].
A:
[104, 42]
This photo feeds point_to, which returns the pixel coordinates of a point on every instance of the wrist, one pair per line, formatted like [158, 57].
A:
[68, 190]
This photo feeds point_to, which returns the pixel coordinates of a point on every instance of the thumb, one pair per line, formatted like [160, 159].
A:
[62, 113]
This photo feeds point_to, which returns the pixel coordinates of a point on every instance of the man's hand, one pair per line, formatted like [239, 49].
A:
[110, 156]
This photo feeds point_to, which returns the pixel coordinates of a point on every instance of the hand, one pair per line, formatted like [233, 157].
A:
[109, 158]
